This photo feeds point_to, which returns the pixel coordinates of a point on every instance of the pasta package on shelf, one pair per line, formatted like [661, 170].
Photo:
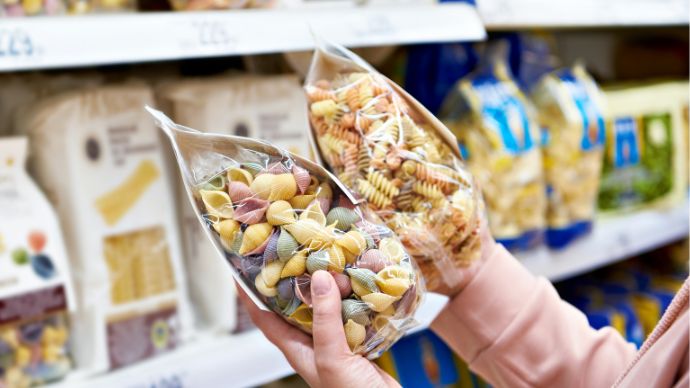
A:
[571, 112]
[645, 161]
[388, 149]
[277, 218]
[265, 107]
[500, 139]
[31, 8]
[35, 284]
[111, 190]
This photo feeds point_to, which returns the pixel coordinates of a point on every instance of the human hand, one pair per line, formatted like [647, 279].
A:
[323, 360]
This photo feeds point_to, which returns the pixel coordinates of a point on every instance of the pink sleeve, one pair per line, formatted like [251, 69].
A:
[514, 331]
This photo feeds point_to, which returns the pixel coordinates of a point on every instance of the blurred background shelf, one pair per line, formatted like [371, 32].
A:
[31, 43]
[249, 359]
[519, 14]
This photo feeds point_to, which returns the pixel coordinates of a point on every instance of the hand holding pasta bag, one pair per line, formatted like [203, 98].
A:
[389, 150]
[278, 219]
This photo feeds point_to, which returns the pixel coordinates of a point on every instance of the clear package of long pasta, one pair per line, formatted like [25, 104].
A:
[389, 150]
[500, 140]
[571, 112]
[277, 218]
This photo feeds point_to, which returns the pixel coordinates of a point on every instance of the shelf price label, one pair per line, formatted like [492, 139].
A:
[15, 43]
[375, 25]
[208, 35]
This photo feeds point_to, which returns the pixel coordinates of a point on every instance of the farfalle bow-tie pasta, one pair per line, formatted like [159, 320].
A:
[278, 218]
[391, 151]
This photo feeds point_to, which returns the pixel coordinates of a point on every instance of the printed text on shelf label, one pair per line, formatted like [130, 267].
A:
[15, 43]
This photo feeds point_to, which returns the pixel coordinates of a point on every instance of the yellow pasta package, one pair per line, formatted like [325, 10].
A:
[571, 114]
[277, 218]
[500, 140]
[389, 150]
[99, 159]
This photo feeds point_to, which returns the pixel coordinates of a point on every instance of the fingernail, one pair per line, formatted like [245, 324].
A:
[320, 283]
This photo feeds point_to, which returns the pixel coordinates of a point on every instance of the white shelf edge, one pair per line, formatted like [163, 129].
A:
[31, 43]
[249, 359]
[521, 14]
[613, 239]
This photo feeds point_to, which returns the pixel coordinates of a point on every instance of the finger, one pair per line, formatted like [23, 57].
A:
[293, 343]
[328, 332]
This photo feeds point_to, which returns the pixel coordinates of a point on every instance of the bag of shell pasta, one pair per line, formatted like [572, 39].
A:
[278, 218]
[500, 139]
[388, 149]
[570, 107]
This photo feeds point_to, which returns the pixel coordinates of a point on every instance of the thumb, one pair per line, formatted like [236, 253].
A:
[327, 330]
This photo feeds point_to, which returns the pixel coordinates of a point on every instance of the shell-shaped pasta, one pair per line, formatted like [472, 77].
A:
[227, 229]
[280, 213]
[380, 321]
[343, 283]
[363, 281]
[270, 273]
[303, 316]
[392, 249]
[262, 184]
[302, 201]
[325, 204]
[277, 168]
[215, 184]
[284, 187]
[286, 289]
[313, 212]
[302, 178]
[336, 259]
[240, 175]
[237, 243]
[251, 210]
[304, 230]
[261, 248]
[343, 217]
[253, 168]
[394, 287]
[378, 301]
[374, 260]
[217, 203]
[355, 310]
[271, 251]
[239, 191]
[353, 243]
[354, 334]
[325, 191]
[313, 187]
[287, 245]
[263, 288]
[296, 266]
[317, 261]
[254, 236]
[395, 272]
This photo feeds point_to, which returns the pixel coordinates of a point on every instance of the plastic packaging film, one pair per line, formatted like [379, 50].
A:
[277, 218]
[571, 112]
[500, 140]
[391, 151]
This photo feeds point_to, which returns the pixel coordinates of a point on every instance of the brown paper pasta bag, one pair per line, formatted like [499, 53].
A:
[277, 218]
[387, 148]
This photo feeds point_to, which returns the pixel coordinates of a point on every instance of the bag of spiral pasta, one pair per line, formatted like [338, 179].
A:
[277, 218]
[500, 140]
[388, 149]
[570, 107]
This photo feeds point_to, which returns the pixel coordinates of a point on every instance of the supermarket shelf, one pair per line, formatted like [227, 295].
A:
[249, 359]
[31, 43]
[517, 14]
[613, 239]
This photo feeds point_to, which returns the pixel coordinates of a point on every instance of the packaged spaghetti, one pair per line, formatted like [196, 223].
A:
[388, 149]
[500, 141]
[36, 294]
[571, 112]
[99, 159]
[645, 161]
[270, 108]
[277, 218]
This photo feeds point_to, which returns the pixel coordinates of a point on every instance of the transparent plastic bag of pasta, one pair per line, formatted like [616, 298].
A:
[277, 218]
[570, 107]
[500, 140]
[389, 150]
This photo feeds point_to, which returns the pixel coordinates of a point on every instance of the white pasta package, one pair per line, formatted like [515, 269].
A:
[99, 159]
[263, 107]
[276, 218]
[572, 115]
[36, 293]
